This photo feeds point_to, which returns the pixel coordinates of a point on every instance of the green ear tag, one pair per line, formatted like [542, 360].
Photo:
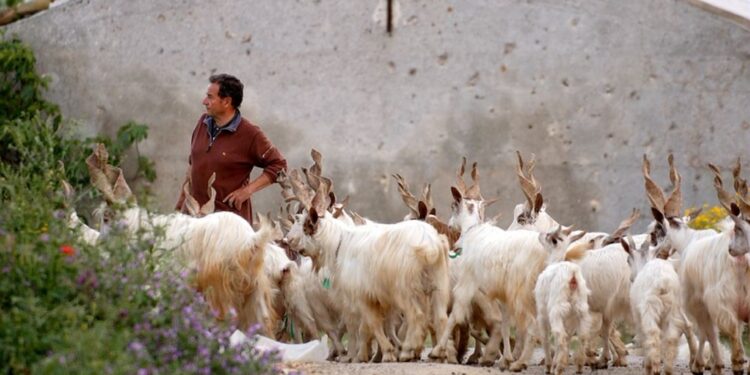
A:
[327, 283]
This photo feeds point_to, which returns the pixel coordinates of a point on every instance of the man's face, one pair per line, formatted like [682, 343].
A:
[215, 105]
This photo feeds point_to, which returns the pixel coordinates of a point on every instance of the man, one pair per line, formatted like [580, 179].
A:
[226, 143]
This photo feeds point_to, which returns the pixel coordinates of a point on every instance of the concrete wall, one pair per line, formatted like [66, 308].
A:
[587, 85]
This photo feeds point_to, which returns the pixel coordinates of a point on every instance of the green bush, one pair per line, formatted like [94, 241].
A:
[68, 307]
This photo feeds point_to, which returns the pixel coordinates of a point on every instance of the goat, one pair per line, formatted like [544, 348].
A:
[713, 269]
[561, 299]
[655, 303]
[516, 258]
[381, 267]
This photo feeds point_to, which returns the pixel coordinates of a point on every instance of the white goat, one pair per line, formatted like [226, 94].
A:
[656, 306]
[514, 258]
[399, 266]
[561, 299]
[713, 270]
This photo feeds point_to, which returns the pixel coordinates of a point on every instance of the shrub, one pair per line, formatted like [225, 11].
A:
[708, 218]
[68, 307]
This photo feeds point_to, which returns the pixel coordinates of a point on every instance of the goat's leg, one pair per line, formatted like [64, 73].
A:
[439, 301]
[544, 329]
[557, 326]
[528, 333]
[415, 318]
[735, 340]
[373, 319]
[671, 338]
[606, 327]
[461, 305]
[394, 323]
[461, 336]
[683, 325]
[621, 353]
[713, 341]
[477, 353]
[508, 357]
[492, 317]
[651, 341]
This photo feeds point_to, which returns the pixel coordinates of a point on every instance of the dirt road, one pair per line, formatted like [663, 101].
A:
[430, 368]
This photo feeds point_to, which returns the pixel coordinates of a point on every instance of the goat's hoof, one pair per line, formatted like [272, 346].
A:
[620, 362]
[389, 357]
[472, 360]
[738, 372]
[517, 367]
[406, 356]
[600, 365]
[486, 362]
[503, 364]
[435, 353]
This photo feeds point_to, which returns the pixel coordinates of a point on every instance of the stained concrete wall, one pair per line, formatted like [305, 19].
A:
[587, 85]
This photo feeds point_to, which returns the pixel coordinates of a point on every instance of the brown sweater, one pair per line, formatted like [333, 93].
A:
[232, 155]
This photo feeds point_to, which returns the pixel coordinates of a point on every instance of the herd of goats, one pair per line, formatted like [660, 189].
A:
[387, 286]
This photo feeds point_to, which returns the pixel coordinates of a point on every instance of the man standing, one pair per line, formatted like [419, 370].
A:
[227, 144]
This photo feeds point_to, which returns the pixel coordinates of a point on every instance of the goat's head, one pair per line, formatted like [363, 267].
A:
[468, 205]
[531, 214]
[637, 256]
[557, 241]
[740, 245]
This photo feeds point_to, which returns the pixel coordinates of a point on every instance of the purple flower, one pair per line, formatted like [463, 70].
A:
[137, 347]
[6, 269]
[87, 279]
[44, 237]
[59, 214]
[142, 371]
[121, 224]
[204, 352]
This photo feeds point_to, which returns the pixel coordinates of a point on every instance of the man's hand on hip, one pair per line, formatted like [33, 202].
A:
[238, 197]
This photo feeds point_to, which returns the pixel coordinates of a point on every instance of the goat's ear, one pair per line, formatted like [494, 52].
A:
[337, 212]
[433, 212]
[332, 198]
[456, 194]
[345, 202]
[313, 215]
[422, 207]
[538, 202]
[626, 246]
[658, 216]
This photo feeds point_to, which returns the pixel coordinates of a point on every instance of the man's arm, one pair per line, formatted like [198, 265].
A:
[270, 159]
[239, 196]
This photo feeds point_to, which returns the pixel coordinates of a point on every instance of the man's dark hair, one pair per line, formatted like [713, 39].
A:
[229, 86]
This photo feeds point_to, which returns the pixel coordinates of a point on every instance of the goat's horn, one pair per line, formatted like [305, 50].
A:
[474, 192]
[724, 197]
[460, 177]
[529, 187]
[674, 203]
[190, 203]
[625, 225]
[210, 206]
[406, 195]
[653, 192]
